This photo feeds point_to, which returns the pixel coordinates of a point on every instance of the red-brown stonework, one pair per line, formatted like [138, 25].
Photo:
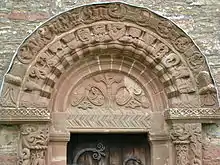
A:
[8, 160]
[17, 15]
[9, 141]
[211, 144]
[211, 154]
[109, 67]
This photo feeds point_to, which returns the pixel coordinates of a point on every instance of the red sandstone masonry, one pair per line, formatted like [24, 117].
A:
[17, 15]
[25, 20]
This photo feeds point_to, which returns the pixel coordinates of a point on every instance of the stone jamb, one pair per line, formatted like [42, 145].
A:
[187, 141]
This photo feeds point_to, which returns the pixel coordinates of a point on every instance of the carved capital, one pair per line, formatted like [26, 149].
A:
[34, 144]
[187, 142]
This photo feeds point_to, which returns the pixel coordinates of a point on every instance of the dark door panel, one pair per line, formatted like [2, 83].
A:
[108, 149]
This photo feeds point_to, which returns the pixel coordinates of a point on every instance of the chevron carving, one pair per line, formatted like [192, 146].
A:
[109, 121]
[108, 101]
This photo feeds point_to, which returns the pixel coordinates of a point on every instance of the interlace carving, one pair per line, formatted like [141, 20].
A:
[34, 143]
[192, 113]
[187, 141]
[22, 114]
[109, 90]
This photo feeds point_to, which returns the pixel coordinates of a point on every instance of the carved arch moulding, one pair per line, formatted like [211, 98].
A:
[110, 66]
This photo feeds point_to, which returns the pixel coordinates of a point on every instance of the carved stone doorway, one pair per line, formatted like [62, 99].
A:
[109, 67]
[108, 149]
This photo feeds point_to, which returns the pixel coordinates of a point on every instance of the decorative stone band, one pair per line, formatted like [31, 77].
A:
[23, 114]
[108, 122]
[192, 113]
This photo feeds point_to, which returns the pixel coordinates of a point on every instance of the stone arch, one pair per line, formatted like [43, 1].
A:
[143, 55]
[152, 41]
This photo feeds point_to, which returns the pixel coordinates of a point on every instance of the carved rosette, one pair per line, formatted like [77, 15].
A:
[187, 142]
[34, 143]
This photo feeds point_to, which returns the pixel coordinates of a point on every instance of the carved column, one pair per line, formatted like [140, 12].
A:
[34, 144]
[187, 141]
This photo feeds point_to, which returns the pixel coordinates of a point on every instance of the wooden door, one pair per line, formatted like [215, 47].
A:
[108, 149]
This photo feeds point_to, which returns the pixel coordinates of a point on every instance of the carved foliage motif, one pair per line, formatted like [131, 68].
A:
[187, 141]
[34, 141]
[182, 154]
[109, 90]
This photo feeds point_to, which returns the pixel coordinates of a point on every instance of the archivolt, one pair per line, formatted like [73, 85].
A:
[114, 32]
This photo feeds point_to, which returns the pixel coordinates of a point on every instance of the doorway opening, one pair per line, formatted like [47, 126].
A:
[108, 149]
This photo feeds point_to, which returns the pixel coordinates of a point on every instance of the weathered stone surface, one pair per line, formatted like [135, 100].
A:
[199, 18]
[211, 144]
[46, 55]
[9, 136]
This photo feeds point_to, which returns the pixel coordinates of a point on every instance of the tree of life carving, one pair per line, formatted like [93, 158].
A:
[109, 90]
